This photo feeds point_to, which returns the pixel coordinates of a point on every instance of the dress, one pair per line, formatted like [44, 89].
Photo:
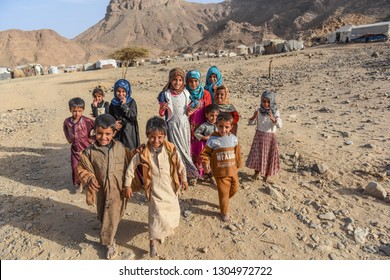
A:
[101, 108]
[196, 119]
[162, 191]
[80, 136]
[264, 154]
[129, 133]
[179, 132]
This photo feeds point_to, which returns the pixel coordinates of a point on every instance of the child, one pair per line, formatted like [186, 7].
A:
[78, 132]
[264, 155]
[222, 100]
[163, 173]
[213, 80]
[222, 152]
[174, 101]
[200, 98]
[99, 106]
[124, 109]
[102, 166]
[203, 132]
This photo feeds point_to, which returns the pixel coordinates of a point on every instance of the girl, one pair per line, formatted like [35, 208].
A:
[200, 99]
[174, 101]
[222, 100]
[264, 155]
[124, 109]
[99, 106]
[213, 80]
[164, 173]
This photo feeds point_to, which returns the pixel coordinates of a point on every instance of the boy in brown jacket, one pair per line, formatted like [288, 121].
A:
[102, 167]
[222, 156]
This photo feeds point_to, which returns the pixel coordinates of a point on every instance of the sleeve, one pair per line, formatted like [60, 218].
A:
[130, 111]
[236, 116]
[66, 132]
[94, 111]
[130, 172]
[206, 155]
[181, 168]
[106, 107]
[279, 122]
[237, 151]
[85, 169]
[91, 134]
[199, 132]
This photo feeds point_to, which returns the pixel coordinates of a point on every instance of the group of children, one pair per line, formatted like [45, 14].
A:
[194, 137]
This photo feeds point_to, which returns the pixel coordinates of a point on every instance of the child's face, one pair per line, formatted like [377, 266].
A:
[265, 103]
[213, 78]
[212, 117]
[121, 93]
[156, 138]
[193, 83]
[104, 136]
[224, 127]
[98, 98]
[220, 96]
[177, 83]
[77, 112]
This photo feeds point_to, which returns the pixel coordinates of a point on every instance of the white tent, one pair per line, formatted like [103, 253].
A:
[341, 35]
[370, 32]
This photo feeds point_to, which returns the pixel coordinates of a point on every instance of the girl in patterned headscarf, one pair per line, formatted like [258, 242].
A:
[200, 98]
[213, 80]
[174, 103]
[264, 154]
[124, 109]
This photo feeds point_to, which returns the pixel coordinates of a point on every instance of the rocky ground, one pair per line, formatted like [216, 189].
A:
[330, 200]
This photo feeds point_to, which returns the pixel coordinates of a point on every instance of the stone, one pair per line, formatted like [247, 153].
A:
[327, 216]
[376, 190]
[385, 249]
[320, 168]
[360, 235]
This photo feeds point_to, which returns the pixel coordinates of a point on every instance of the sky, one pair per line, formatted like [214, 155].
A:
[68, 18]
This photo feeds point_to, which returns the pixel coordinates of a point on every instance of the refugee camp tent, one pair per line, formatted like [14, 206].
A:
[371, 32]
[106, 64]
[5, 73]
[341, 35]
[53, 70]
[242, 50]
[89, 66]
[28, 70]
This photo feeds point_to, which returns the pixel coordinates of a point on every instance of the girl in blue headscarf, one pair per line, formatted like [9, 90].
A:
[213, 80]
[200, 99]
[124, 109]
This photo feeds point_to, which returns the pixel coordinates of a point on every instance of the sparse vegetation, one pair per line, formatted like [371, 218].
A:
[128, 56]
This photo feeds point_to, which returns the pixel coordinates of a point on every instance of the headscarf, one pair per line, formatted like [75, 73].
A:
[271, 96]
[124, 84]
[195, 94]
[209, 85]
[172, 74]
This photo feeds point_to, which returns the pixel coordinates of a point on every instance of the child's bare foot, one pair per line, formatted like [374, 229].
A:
[225, 218]
[193, 182]
[153, 249]
[212, 182]
[256, 176]
[111, 252]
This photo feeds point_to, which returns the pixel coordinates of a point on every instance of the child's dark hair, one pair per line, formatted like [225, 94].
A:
[226, 117]
[156, 124]
[76, 102]
[221, 87]
[97, 91]
[211, 108]
[105, 121]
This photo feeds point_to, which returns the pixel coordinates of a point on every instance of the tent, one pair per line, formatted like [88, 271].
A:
[5, 73]
[341, 35]
[106, 64]
[371, 32]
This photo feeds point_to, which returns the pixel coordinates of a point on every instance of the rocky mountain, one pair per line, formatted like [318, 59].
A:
[169, 26]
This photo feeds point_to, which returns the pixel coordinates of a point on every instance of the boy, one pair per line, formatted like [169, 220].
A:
[78, 132]
[222, 152]
[102, 166]
[203, 132]
[163, 173]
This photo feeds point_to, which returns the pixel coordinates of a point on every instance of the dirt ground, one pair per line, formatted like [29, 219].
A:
[334, 102]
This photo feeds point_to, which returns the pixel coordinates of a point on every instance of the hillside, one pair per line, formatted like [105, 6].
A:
[171, 26]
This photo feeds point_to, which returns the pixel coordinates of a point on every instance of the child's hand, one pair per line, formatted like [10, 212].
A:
[271, 117]
[207, 168]
[118, 125]
[127, 192]
[140, 148]
[206, 137]
[184, 185]
[93, 184]
[123, 100]
[95, 102]
[163, 106]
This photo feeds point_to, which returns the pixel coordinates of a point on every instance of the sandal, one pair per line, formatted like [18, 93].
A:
[111, 252]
